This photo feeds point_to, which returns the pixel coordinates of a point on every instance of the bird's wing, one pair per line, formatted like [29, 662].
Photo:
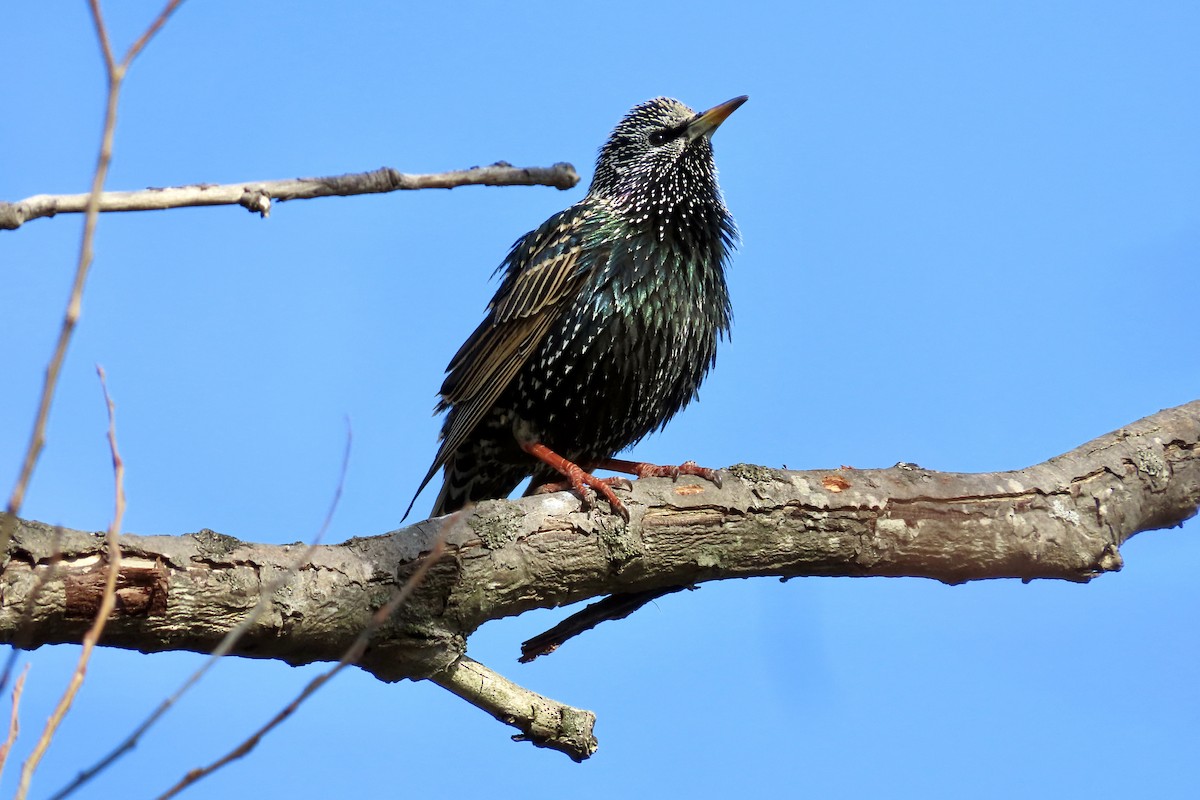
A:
[544, 272]
[519, 316]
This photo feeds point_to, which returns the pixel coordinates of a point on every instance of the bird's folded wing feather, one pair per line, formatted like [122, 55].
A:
[545, 273]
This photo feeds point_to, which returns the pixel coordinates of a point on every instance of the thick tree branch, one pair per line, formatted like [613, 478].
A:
[256, 196]
[1064, 519]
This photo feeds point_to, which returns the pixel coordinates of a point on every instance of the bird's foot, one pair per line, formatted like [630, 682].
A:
[643, 469]
[577, 479]
[616, 482]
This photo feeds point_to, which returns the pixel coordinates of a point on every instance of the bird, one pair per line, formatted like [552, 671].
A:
[605, 323]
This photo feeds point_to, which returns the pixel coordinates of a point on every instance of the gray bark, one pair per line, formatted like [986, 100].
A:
[1064, 519]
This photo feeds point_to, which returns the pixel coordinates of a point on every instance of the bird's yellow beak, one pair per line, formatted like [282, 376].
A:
[706, 124]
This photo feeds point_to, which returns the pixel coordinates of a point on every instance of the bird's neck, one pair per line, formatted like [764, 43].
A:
[697, 225]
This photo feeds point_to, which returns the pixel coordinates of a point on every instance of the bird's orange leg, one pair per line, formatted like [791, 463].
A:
[645, 470]
[579, 479]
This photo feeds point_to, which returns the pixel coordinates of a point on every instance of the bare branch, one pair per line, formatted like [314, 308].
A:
[110, 64]
[542, 721]
[14, 723]
[90, 205]
[256, 196]
[1064, 519]
[610, 609]
[148, 34]
[37, 438]
[108, 602]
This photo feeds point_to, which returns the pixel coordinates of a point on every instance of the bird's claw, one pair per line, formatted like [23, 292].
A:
[605, 489]
[710, 475]
[587, 486]
[619, 482]
[644, 470]
[587, 498]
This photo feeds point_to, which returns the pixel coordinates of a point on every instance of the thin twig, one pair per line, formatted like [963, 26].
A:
[149, 33]
[351, 656]
[613, 607]
[110, 64]
[115, 74]
[37, 439]
[14, 725]
[107, 603]
[256, 196]
[227, 643]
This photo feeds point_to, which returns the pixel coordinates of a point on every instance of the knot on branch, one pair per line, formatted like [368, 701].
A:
[12, 216]
[564, 175]
[256, 200]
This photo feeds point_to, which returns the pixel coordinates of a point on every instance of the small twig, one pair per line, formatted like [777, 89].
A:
[147, 34]
[110, 64]
[542, 721]
[91, 207]
[256, 196]
[14, 725]
[227, 643]
[613, 607]
[351, 656]
[107, 603]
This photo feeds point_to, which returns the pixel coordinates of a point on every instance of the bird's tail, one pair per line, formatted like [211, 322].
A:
[428, 477]
[471, 480]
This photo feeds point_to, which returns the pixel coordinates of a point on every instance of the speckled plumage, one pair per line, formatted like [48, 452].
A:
[607, 317]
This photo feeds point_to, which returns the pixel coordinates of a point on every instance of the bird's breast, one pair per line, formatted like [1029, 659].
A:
[631, 348]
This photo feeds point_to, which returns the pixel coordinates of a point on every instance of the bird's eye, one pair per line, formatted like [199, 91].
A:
[660, 136]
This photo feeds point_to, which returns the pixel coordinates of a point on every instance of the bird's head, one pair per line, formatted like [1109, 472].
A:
[661, 153]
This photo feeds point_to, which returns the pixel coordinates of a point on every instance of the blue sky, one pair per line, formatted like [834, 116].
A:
[971, 240]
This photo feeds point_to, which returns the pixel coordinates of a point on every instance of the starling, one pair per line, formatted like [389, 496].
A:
[605, 322]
